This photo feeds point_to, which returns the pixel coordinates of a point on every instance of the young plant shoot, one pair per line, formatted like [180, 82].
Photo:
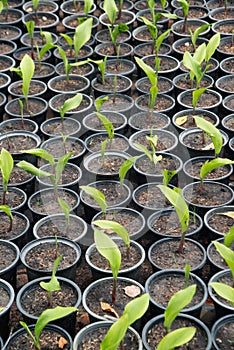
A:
[6, 166]
[151, 154]
[98, 196]
[7, 210]
[181, 208]
[69, 104]
[66, 211]
[109, 249]
[125, 167]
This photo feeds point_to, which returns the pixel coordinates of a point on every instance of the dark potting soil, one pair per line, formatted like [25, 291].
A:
[213, 194]
[166, 257]
[20, 55]
[163, 85]
[126, 261]
[226, 28]
[227, 84]
[35, 88]
[164, 141]
[149, 49]
[46, 7]
[16, 126]
[35, 106]
[13, 198]
[42, 70]
[5, 48]
[108, 50]
[57, 149]
[224, 14]
[186, 83]
[102, 292]
[82, 70]
[95, 123]
[221, 222]
[187, 121]
[131, 222]
[166, 63]
[179, 28]
[169, 224]
[111, 84]
[4, 298]
[118, 67]
[46, 202]
[150, 121]
[7, 256]
[152, 197]
[198, 141]
[230, 104]
[226, 47]
[162, 288]
[3, 81]
[192, 13]
[194, 170]
[158, 331]
[205, 100]
[42, 256]
[48, 340]
[12, 17]
[69, 175]
[116, 103]
[58, 127]
[16, 143]
[8, 33]
[105, 37]
[113, 192]
[70, 85]
[18, 226]
[125, 17]
[224, 336]
[59, 102]
[41, 19]
[70, 54]
[230, 123]
[58, 227]
[162, 103]
[146, 166]
[94, 338]
[110, 165]
[35, 300]
[117, 143]
[229, 65]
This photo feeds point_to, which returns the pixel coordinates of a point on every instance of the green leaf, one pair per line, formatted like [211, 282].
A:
[179, 204]
[185, 6]
[50, 315]
[27, 67]
[97, 195]
[224, 290]
[68, 39]
[229, 237]
[115, 227]
[168, 175]
[176, 338]
[44, 49]
[153, 96]
[82, 35]
[199, 54]
[109, 249]
[65, 208]
[30, 168]
[212, 45]
[212, 131]
[7, 210]
[39, 152]
[208, 166]
[148, 71]
[194, 66]
[107, 124]
[6, 165]
[35, 4]
[53, 284]
[197, 94]
[136, 308]
[177, 302]
[151, 27]
[115, 334]
[87, 6]
[227, 254]
[70, 104]
[110, 9]
[36, 343]
[103, 148]
[160, 40]
[144, 150]
[30, 28]
[197, 32]
[62, 161]
[127, 164]
[99, 102]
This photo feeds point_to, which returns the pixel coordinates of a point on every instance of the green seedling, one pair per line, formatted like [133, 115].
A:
[133, 311]
[153, 78]
[125, 167]
[151, 154]
[176, 338]
[6, 166]
[177, 302]
[211, 165]
[98, 196]
[70, 104]
[66, 211]
[110, 132]
[99, 102]
[181, 208]
[53, 285]
[185, 6]
[35, 7]
[57, 168]
[168, 175]
[186, 275]
[30, 29]
[194, 36]
[195, 68]
[87, 6]
[117, 228]
[229, 237]
[4, 5]
[114, 33]
[47, 316]
[222, 289]
[7, 210]
[110, 8]
[109, 249]
[82, 35]
[157, 15]
[211, 130]
[21, 106]
[26, 71]
[102, 68]
[45, 48]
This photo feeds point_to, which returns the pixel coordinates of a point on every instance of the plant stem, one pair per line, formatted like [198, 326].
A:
[114, 297]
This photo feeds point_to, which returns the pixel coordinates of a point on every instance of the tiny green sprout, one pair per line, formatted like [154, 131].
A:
[45, 48]
[229, 237]
[46, 316]
[66, 211]
[7, 210]
[133, 311]
[196, 33]
[181, 208]
[211, 165]
[157, 15]
[109, 249]
[177, 302]
[57, 168]
[176, 338]
[53, 285]
[117, 228]
[21, 106]
[70, 104]
[194, 66]
[125, 167]
[30, 29]
[97, 195]
[196, 94]
[114, 33]
[6, 166]
[102, 68]
[168, 175]
[151, 154]
[26, 72]
[212, 131]
[110, 132]
[185, 6]
[186, 275]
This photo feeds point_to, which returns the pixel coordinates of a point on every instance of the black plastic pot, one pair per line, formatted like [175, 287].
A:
[78, 84]
[202, 103]
[210, 116]
[5, 309]
[68, 272]
[142, 104]
[119, 142]
[8, 273]
[209, 222]
[51, 27]
[118, 120]
[220, 332]
[5, 81]
[120, 103]
[154, 120]
[69, 127]
[124, 85]
[15, 124]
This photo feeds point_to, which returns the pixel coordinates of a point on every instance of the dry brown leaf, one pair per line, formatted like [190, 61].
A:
[132, 291]
[106, 307]
[181, 120]
[62, 342]
[230, 214]
[208, 147]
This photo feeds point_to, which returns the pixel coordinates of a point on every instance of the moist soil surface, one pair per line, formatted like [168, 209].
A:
[17, 176]
[109, 50]
[198, 140]
[162, 103]
[59, 102]
[73, 84]
[163, 86]
[229, 65]
[7, 256]
[116, 143]
[34, 89]
[34, 107]
[16, 143]
[4, 298]
[146, 166]
[206, 99]
[116, 103]
[58, 127]
[230, 123]
[18, 226]
[69, 175]
[13, 198]
[220, 222]
[187, 121]
[95, 123]
[16, 126]
[110, 164]
[224, 337]
[71, 145]
[150, 121]
[151, 197]
[165, 255]
[8, 33]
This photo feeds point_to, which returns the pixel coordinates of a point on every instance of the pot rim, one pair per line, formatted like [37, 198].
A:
[17, 253]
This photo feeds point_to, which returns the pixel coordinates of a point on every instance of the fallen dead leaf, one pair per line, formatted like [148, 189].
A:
[108, 308]
[181, 120]
[132, 291]
[230, 214]
[62, 342]
[208, 147]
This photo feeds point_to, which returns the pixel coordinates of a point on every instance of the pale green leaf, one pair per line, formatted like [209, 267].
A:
[224, 290]
[144, 150]
[27, 67]
[62, 161]
[99, 102]
[177, 303]
[115, 334]
[70, 104]
[160, 40]
[147, 70]
[30, 28]
[229, 237]
[36, 342]
[196, 94]
[197, 32]
[87, 6]
[227, 254]
[6, 166]
[103, 148]
[65, 208]
[82, 35]
[168, 175]
[127, 164]
[107, 124]
[115, 227]
[97, 195]
[30, 168]
[109, 249]
[7, 210]
[215, 163]
[176, 338]
[39, 152]
[136, 308]
[110, 9]
[53, 284]
[212, 45]
[199, 54]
